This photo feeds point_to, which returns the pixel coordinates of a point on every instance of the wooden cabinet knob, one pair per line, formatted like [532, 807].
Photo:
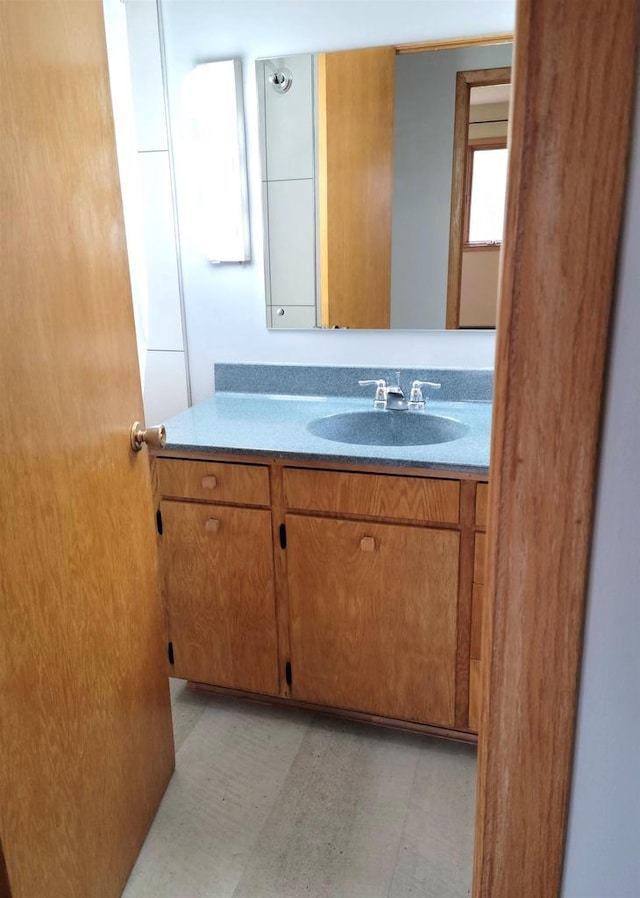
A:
[367, 544]
[209, 482]
[212, 525]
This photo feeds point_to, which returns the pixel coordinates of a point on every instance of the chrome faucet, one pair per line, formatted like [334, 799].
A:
[389, 397]
[395, 397]
[381, 391]
[416, 399]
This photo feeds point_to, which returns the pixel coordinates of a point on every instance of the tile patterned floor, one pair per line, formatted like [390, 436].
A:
[275, 803]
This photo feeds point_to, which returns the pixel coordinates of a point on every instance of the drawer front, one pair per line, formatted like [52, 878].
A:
[375, 495]
[213, 481]
[481, 505]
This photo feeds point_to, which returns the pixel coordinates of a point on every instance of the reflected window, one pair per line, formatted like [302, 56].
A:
[486, 189]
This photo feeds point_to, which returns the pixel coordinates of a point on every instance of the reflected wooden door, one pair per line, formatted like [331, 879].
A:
[355, 194]
[85, 727]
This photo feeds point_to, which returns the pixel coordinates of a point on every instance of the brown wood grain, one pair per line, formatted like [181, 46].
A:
[475, 694]
[355, 186]
[374, 631]
[213, 481]
[219, 593]
[480, 559]
[383, 496]
[477, 611]
[85, 724]
[373, 719]
[482, 493]
[569, 143]
[325, 464]
[465, 578]
[278, 513]
[505, 37]
[376, 495]
[400, 499]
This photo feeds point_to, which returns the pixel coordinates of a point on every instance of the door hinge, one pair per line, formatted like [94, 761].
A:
[287, 673]
[283, 536]
[170, 653]
[159, 521]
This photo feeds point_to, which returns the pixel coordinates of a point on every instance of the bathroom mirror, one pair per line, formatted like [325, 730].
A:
[365, 177]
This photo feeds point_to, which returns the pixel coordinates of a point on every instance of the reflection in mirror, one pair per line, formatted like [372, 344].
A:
[213, 100]
[477, 196]
[357, 187]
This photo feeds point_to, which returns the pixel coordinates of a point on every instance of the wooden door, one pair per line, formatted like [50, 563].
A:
[85, 728]
[373, 617]
[219, 594]
[355, 177]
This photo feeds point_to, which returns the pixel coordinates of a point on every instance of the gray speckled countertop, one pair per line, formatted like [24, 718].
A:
[275, 425]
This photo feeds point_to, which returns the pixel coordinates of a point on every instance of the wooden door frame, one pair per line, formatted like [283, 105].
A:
[574, 64]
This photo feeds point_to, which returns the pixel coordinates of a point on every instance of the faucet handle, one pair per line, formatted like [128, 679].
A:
[416, 399]
[381, 391]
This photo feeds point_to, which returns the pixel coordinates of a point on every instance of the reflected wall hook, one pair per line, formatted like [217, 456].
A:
[281, 80]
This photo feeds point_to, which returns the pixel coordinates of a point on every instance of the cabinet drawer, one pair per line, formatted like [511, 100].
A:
[482, 493]
[375, 495]
[213, 481]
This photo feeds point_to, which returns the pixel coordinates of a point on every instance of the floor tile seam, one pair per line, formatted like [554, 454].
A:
[276, 799]
[403, 828]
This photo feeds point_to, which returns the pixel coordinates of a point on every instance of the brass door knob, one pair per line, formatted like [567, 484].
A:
[154, 437]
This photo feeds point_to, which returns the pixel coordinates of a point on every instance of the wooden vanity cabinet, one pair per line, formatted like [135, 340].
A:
[373, 617]
[345, 589]
[218, 577]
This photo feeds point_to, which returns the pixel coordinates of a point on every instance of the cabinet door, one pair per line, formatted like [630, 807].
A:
[219, 593]
[373, 617]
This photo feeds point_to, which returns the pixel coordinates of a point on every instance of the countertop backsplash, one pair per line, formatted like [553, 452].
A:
[458, 384]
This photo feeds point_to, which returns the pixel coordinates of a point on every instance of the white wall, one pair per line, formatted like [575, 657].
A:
[115, 22]
[165, 382]
[603, 848]
[225, 304]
